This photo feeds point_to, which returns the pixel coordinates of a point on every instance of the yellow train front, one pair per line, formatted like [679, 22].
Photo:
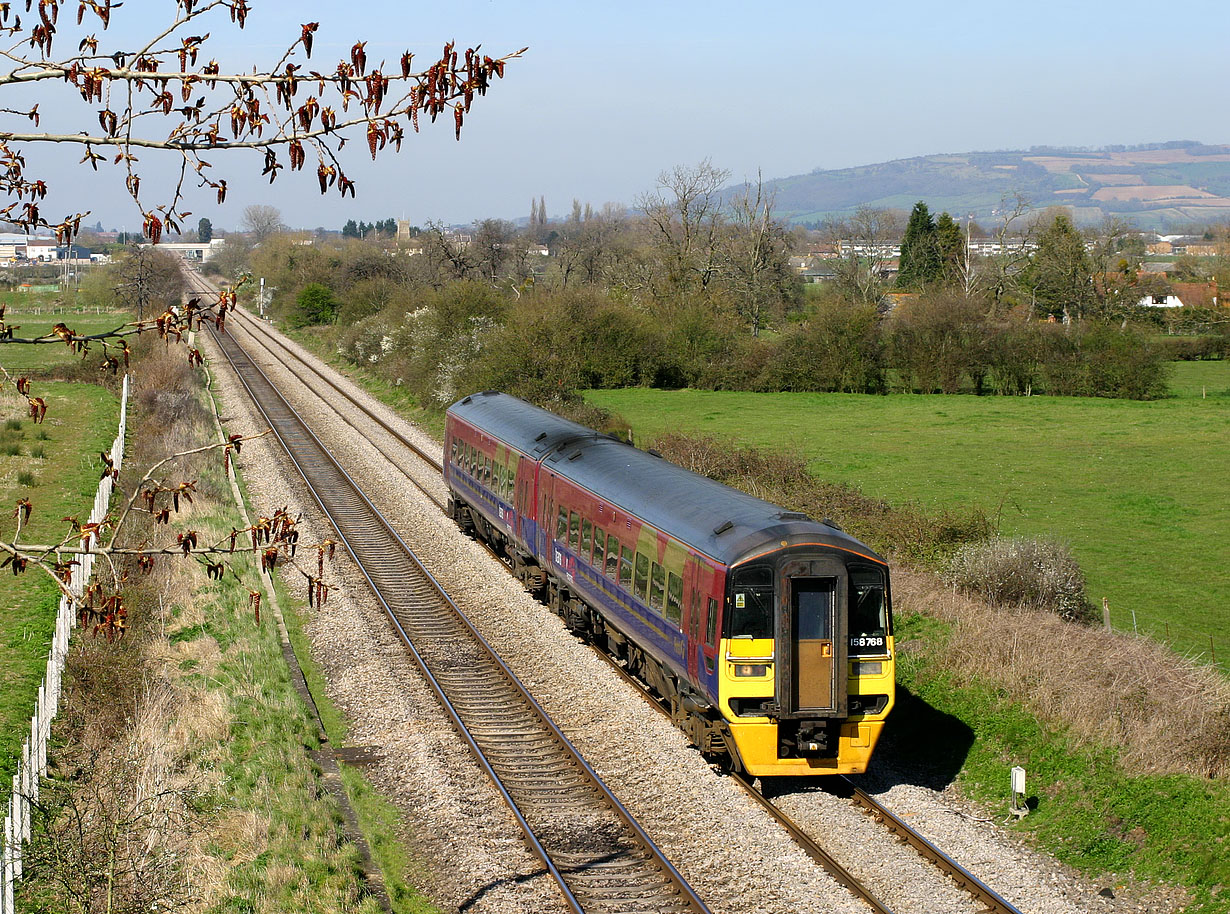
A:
[806, 658]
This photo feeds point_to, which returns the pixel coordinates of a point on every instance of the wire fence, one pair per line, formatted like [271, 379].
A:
[32, 766]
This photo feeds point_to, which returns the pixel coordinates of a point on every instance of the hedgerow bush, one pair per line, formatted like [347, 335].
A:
[1023, 572]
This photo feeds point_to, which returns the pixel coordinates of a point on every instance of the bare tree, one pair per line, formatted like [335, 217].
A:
[865, 243]
[1014, 241]
[261, 221]
[684, 215]
[286, 111]
[756, 256]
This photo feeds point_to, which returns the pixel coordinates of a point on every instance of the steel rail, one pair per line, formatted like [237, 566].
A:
[251, 322]
[537, 771]
[963, 878]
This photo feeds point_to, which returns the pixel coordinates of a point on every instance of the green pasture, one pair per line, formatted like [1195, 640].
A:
[1139, 489]
[20, 358]
[56, 466]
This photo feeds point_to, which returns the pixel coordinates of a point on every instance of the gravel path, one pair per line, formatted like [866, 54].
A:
[733, 855]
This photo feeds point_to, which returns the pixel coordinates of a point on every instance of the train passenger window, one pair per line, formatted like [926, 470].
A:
[599, 548]
[711, 627]
[612, 558]
[561, 524]
[452, 454]
[625, 567]
[473, 461]
[587, 539]
[574, 530]
[674, 598]
[642, 576]
[868, 629]
[657, 586]
[751, 614]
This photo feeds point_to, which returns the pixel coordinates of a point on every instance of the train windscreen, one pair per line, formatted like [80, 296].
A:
[868, 629]
[751, 614]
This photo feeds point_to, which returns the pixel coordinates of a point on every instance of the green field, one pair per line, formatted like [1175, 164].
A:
[1139, 489]
[18, 358]
[56, 466]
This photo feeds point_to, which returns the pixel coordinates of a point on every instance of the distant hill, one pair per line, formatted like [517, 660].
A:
[1157, 186]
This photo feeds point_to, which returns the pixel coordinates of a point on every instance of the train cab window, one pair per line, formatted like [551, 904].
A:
[561, 524]
[574, 530]
[625, 567]
[657, 587]
[712, 625]
[587, 539]
[612, 557]
[452, 453]
[641, 587]
[868, 629]
[674, 598]
[751, 614]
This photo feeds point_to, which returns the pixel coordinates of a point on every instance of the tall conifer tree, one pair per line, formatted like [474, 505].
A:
[920, 255]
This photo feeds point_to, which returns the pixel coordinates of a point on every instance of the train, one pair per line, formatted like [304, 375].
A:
[767, 635]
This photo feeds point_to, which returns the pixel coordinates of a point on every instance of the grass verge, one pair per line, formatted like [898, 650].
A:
[55, 465]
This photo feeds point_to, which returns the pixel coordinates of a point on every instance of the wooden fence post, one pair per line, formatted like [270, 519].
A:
[1106, 613]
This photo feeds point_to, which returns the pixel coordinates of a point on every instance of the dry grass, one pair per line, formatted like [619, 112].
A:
[1104, 688]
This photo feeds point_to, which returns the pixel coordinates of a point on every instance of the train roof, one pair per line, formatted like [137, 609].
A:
[722, 522]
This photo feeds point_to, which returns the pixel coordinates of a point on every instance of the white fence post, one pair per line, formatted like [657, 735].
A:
[32, 765]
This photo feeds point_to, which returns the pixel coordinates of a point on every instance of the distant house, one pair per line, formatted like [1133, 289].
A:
[1183, 295]
[42, 248]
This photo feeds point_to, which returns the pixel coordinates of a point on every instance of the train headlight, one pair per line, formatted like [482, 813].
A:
[751, 669]
[869, 668]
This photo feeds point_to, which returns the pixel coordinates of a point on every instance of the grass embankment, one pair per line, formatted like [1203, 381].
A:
[187, 739]
[1137, 488]
[55, 465]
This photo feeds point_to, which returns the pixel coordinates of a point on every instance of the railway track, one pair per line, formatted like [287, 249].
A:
[990, 902]
[597, 853]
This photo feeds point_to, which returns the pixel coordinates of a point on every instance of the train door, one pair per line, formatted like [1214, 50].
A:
[524, 501]
[811, 627]
[692, 620]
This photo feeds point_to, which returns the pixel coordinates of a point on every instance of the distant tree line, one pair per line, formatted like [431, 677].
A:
[385, 228]
[695, 287]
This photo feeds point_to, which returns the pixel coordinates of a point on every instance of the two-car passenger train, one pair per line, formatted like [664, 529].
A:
[768, 635]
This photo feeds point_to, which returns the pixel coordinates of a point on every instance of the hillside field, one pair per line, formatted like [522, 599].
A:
[1139, 489]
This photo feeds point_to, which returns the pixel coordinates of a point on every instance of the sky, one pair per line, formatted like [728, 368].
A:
[610, 95]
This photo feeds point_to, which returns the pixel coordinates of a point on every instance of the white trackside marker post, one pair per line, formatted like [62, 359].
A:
[1020, 808]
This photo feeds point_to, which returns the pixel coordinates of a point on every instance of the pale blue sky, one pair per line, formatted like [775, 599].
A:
[610, 95]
